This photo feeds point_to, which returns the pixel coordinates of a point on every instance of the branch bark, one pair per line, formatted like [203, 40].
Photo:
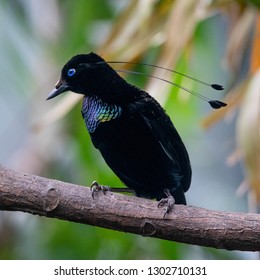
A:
[187, 224]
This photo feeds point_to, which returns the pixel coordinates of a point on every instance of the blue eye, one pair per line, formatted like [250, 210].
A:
[71, 72]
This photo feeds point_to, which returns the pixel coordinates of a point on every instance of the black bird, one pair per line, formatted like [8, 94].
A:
[131, 130]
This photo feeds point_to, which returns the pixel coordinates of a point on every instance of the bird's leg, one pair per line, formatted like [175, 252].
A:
[95, 187]
[169, 201]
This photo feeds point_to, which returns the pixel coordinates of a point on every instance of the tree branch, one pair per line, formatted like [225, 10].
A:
[187, 224]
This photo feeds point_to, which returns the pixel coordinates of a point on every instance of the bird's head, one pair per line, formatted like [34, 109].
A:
[84, 74]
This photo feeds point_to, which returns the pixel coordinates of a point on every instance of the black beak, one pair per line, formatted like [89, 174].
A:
[60, 87]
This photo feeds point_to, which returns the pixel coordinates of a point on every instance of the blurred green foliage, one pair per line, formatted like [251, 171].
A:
[36, 39]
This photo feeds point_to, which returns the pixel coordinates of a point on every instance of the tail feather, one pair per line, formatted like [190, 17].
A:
[179, 196]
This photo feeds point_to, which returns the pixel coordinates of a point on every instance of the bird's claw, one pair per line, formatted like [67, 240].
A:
[168, 201]
[95, 187]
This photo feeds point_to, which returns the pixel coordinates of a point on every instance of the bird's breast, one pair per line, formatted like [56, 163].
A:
[95, 111]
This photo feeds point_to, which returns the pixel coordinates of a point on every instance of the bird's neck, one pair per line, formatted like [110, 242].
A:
[113, 89]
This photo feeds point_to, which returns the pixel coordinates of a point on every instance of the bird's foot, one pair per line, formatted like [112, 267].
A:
[95, 187]
[168, 201]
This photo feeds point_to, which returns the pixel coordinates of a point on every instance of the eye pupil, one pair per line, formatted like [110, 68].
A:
[71, 72]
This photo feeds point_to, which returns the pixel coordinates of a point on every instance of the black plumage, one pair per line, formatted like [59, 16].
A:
[131, 130]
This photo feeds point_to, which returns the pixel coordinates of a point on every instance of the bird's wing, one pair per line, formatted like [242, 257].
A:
[167, 136]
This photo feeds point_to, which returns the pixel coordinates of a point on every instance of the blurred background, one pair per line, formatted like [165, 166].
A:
[215, 41]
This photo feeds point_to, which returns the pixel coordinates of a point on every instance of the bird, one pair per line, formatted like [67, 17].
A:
[132, 131]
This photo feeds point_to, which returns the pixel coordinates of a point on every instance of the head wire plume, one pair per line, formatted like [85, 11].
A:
[216, 104]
